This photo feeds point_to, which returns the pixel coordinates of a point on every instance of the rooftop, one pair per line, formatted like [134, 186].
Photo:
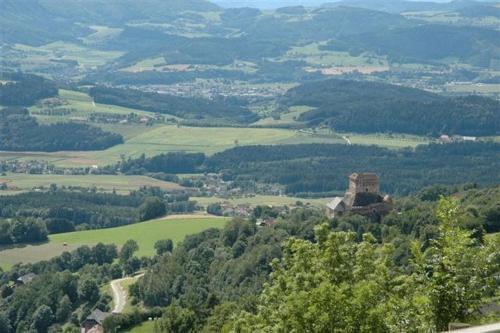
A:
[98, 316]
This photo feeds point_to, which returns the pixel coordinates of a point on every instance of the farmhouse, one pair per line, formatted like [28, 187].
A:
[94, 322]
[362, 197]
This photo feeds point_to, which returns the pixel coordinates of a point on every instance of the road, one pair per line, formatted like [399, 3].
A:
[120, 294]
[347, 140]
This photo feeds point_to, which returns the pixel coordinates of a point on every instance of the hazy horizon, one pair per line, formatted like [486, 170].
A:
[268, 4]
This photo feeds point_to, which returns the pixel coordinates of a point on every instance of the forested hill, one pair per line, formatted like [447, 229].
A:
[190, 108]
[21, 132]
[316, 168]
[426, 43]
[37, 22]
[24, 89]
[362, 106]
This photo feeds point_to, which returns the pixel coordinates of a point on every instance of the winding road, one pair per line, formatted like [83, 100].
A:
[346, 139]
[120, 294]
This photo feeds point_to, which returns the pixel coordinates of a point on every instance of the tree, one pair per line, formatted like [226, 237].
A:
[131, 265]
[104, 253]
[42, 318]
[64, 309]
[4, 323]
[164, 246]
[339, 284]
[214, 209]
[128, 249]
[452, 269]
[177, 319]
[88, 290]
[151, 208]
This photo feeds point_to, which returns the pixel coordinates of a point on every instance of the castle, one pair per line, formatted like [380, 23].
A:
[362, 197]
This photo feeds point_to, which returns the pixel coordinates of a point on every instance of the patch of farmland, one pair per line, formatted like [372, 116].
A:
[145, 234]
[272, 200]
[122, 184]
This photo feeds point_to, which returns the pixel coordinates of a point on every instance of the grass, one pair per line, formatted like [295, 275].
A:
[125, 284]
[108, 183]
[145, 65]
[286, 119]
[474, 88]
[5, 266]
[145, 233]
[101, 34]
[145, 327]
[388, 140]
[262, 200]
[164, 139]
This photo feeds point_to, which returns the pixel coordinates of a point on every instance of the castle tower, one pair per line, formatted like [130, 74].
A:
[364, 183]
[361, 183]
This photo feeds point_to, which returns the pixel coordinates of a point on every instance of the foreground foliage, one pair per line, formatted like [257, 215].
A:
[336, 284]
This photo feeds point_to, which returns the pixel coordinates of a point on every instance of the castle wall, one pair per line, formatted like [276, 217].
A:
[364, 183]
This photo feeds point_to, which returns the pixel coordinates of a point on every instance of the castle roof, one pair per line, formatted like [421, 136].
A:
[337, 204]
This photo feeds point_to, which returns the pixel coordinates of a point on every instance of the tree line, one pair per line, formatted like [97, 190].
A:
[30, 217]
[21, 132]
[313, 169]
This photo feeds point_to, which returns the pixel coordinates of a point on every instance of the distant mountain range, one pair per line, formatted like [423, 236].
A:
[392, 5]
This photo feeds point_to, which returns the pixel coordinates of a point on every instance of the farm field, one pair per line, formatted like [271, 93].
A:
[83, 105]
[208, 140]
[286, 119]
[315, 56]
[388, 140]
[34, 58]
[107, 183]
[474, 88]
[145, 233]
[262, 200]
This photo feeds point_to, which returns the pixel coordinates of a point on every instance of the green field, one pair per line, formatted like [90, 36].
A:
[388, 140]
[146, 327]
[262, 200]
[168, 138]
[474, 88]
[36, 58]
[83, 105]
[122, 184]
[315, 56]
[145, 233]
[286, 119]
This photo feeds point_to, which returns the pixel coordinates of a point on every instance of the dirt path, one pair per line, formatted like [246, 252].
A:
[120, 294]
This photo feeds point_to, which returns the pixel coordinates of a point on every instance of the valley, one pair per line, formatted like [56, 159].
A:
[181, 166]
